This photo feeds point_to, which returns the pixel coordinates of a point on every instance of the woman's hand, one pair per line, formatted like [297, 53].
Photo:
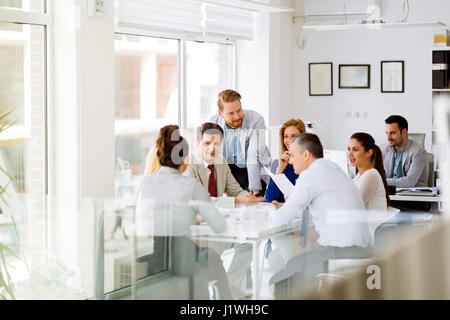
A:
[283, 161]
[275, 204]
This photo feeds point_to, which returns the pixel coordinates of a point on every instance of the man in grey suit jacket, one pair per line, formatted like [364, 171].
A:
[243, 144]
[208, 161]
[404, 160]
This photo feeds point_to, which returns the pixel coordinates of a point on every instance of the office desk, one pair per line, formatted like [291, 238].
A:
[397, 197]
[246, 227]
[437, 200]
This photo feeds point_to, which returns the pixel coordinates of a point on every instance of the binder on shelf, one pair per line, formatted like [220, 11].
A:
[440, 79]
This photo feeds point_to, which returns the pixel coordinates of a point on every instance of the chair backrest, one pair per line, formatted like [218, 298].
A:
[430, 161]
[417, 137]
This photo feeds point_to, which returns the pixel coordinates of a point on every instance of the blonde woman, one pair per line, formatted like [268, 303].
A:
[289, 130]
[152, 165]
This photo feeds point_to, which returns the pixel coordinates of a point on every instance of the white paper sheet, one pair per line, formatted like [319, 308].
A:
[282, 183]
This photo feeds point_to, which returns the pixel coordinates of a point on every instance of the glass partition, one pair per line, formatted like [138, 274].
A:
[159, 250]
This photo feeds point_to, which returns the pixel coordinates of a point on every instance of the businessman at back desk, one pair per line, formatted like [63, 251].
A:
[404, 162]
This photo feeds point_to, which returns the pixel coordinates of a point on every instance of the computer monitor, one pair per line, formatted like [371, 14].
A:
[337, 156]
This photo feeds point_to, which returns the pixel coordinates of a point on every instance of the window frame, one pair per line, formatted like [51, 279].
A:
[182, 58]
[32, 18]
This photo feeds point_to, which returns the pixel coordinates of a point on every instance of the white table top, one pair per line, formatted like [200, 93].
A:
[254, 225]
[242, 226]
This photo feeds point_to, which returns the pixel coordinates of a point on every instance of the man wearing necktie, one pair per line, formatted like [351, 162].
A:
[211, 168]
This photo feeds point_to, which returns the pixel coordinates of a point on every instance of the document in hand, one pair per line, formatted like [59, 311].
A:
[282, 183]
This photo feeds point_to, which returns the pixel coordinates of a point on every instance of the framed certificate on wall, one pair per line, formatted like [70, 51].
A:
[321, 79]
[392, 76]
[354, 76]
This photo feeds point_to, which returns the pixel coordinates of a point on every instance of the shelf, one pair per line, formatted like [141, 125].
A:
[441, 90]
[441, 48]
[377, 26]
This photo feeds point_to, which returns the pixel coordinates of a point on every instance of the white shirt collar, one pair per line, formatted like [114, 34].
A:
[205, 164]
[165, 169]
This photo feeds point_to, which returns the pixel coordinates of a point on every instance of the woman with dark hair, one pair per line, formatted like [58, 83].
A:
[164, 209]
[289, 130]
[371, 178]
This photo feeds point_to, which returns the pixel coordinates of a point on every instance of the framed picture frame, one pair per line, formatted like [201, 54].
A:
[354, 76]
[321, 79]
[393, 76]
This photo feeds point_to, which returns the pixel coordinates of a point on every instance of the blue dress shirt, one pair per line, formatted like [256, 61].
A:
[398, 168]
[273, 192]
[233, 150]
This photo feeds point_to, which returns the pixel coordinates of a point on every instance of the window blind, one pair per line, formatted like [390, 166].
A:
[186, 16]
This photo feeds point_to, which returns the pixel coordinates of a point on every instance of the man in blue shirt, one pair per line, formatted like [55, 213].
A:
[243, 144]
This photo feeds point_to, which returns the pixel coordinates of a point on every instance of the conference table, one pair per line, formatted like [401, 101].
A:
[250, 225]
[246, 225]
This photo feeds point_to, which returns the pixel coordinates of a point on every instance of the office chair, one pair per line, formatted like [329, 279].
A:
[430, 161]
[417, 137]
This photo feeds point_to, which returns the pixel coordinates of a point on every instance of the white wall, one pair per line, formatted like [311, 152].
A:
[264, 68]
[252, 65]
[82, 130]
[365, 47]
[420, 10]
[413, 45]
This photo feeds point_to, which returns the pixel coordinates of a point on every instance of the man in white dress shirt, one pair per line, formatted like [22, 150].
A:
[333, 201]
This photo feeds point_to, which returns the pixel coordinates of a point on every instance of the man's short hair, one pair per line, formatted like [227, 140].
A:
[227, 96]
[209, 128]
[399, 120]
[310, 142]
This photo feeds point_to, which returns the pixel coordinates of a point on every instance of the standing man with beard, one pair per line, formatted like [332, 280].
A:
[243, 144]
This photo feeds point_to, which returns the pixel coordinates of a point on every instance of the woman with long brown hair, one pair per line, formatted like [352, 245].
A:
[163, 210]
[289, 130]
[366, 156]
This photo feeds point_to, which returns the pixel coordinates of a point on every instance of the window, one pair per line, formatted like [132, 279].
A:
[148, 83]
[22, 89]
[146, 94]
[209, 71]
[23, 151]
[26, 5]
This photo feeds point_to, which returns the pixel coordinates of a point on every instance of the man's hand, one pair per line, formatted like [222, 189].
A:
[255, 192]
[198, 219]
[274, 205]
[248, 200]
